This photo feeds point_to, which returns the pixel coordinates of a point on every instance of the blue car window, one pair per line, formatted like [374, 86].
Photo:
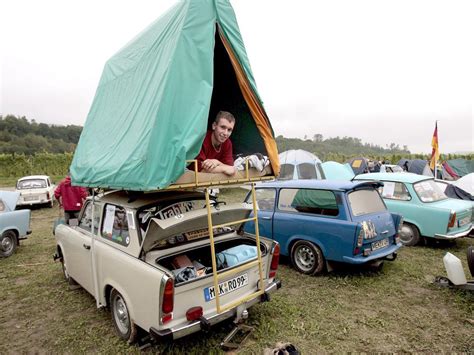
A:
[364, 202]
[313, 201]
[265, 199]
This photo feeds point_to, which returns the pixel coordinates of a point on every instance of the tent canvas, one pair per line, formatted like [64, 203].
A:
[337, 171]
[159, 94]
[461, 166]
[299, 164]
[416, 166]
[361, 165]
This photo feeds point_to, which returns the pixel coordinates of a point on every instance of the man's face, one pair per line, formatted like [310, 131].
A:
[222, 130]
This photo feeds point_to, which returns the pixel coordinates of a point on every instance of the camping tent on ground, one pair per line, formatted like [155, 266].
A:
[461, 166]
[299, 164]
[337, 171]
[361, 165]
[159, 94]
[416, 166]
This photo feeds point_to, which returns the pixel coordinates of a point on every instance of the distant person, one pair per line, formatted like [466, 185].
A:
[216, 152]
[71, 198]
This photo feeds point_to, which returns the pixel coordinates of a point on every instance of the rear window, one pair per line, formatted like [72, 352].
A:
[322, 202]
[362, 202]
[31, 184]
[428, 191]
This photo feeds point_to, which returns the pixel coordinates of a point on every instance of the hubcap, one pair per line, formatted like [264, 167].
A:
[406, 234]
[7, 244]
[305, 258]
[121, 315]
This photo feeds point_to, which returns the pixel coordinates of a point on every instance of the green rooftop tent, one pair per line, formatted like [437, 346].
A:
[159, 94]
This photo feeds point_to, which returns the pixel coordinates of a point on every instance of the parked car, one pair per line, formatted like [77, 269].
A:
[14, 225]
[148, 258]
[319, 221]
[426, 210]
[34, 190]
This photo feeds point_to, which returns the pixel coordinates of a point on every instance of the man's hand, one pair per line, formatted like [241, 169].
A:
[210, 164]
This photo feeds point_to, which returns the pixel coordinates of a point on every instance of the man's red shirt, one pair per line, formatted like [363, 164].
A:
[224, 154]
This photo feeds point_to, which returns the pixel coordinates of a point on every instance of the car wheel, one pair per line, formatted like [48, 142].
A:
[8, 243]
[409, 235]
[307, 258]
[66, 275]
[124, 326]
[470, 259]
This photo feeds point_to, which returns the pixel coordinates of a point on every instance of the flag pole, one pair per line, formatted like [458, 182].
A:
[436, 155]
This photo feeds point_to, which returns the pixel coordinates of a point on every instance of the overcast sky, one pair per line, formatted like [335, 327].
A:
[379, 70]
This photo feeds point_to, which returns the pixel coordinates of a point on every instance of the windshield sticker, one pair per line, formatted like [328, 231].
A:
[109, 220]
[388, 189]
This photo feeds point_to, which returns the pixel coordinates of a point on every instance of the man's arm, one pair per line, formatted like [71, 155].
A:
[215, 166]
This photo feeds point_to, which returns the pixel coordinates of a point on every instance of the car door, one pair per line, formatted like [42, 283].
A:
[398, 199]
[266, 206]
[79, 248]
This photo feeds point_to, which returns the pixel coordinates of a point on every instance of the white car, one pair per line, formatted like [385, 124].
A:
[35, 189]
[148, 258]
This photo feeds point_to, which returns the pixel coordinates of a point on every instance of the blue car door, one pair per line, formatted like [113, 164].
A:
[266, 207]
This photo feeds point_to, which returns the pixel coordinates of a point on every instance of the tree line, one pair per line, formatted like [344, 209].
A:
[18, 135]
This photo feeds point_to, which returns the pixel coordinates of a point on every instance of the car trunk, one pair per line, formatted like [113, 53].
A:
[188, 259]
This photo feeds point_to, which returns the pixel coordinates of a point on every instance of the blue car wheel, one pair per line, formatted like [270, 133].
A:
[307, 258]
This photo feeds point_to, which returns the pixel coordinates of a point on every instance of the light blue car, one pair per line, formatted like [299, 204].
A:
[426, 210]
[14, 225]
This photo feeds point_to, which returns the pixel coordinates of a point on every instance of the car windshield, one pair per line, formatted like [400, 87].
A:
[428, 191]
[365, 201]
[31, 184]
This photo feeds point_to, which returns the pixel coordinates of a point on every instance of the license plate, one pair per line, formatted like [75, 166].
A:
[379, 244]
[31, 198]
[226, 287]
[464, 221]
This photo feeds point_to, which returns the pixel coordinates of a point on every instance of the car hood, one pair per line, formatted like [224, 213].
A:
[160, 229]
[9, 199]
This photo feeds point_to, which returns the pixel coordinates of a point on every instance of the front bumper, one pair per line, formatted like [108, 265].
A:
[454, 236]
[195, 326]
[388, 253]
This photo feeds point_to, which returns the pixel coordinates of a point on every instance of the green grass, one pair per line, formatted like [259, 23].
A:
[351, 309]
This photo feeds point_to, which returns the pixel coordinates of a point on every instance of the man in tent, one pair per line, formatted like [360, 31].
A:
[216, 151]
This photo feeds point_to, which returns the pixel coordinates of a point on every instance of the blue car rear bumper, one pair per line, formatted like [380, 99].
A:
[384, 253]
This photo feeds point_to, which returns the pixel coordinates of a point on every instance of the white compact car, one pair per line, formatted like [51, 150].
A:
[34, 190]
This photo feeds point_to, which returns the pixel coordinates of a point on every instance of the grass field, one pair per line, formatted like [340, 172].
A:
[395, 310]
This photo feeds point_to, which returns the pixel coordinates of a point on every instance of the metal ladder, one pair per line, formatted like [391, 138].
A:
[223, 275]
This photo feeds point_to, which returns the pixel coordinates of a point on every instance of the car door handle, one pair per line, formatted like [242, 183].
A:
[384, 232]
[88, 247]
[267, 218]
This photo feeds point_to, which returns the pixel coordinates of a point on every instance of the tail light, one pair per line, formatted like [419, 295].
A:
[452, 219]
[47, 195]
[167, 304]
[360, 239]
[275, 261]
[194, 313]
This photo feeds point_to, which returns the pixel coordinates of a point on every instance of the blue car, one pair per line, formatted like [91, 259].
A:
[14, 225]
[320, 221]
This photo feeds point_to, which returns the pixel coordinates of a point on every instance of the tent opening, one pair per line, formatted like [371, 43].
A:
[227, 96]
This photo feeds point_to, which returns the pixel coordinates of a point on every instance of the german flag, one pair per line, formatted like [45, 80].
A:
[435, 150]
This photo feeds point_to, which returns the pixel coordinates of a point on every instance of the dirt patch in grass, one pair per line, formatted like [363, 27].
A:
[349, 310]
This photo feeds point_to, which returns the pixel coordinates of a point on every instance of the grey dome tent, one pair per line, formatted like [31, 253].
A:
[416, 166]
[298, 164]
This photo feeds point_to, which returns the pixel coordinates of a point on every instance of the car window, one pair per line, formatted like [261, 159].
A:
[428, 191]
[286, 172]
[86, 219]
[31, 184]
[265, 199]
[115, 225]
[313, 201]
[395, 191]
[365, 201]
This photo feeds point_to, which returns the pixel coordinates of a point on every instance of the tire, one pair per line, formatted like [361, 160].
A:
[8, 244]
[409, 235]
[123, 325]
[307, 258]
[66, 275]
[470, 259]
